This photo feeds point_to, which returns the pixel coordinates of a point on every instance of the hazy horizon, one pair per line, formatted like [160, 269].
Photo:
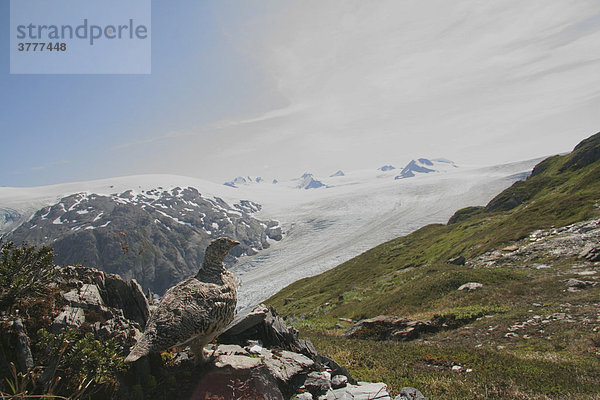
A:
[275, 89]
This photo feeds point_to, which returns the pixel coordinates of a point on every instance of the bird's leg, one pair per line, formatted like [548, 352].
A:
[201, 355]
[198, 351]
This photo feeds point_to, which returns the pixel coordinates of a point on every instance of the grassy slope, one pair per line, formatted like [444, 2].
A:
[408, 276]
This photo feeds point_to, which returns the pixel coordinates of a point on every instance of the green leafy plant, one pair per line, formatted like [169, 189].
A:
[86, 364]
[24, 271]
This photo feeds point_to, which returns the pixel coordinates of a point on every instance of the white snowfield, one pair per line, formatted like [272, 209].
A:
[322, 227]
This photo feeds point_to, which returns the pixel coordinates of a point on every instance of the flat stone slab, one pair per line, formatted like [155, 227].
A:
[237, 363]
[362, 391]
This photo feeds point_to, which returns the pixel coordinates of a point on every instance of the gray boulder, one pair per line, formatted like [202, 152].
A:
[362, 391]
[409, 393]
[339, 381]
[470, 286]
[317, 383]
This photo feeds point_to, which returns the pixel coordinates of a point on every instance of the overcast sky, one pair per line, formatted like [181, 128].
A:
[277, 88]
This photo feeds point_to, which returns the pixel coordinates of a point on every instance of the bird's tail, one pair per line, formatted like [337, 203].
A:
[141, 349]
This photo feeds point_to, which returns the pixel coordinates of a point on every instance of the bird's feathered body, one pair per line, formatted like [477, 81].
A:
[194, 311]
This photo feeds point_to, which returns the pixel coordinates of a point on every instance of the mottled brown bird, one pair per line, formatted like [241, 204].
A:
[193, 312]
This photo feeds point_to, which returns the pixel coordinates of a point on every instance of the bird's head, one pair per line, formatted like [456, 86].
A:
[219, 248]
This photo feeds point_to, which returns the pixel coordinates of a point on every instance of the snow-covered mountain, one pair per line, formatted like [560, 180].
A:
[308, 181]
[240, 180]
[424, 166]
[157, 236]
[337, 173]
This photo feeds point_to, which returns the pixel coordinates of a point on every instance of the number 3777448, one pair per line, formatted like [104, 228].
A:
[42, 46]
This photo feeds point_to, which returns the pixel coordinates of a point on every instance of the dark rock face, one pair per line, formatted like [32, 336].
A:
[414, 167]
[591, 255]
[156, 237]
[386, 327]
[460, 260]
[585, 153]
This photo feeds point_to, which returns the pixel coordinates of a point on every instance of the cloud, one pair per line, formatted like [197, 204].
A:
[365, 83]
[141, 142]
[49, 165]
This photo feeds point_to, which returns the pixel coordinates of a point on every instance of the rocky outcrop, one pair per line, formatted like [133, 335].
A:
[259, 356]
[579, 240]
[385, 327]
[585, 153]
[98, 288]
[264, 325]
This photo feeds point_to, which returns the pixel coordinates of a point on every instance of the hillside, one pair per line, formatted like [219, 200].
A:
[524, 248]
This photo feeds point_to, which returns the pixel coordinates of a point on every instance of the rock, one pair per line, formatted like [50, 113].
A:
[263, 324]
[317, 383]
[457, 368]
[470, 286]
[587, 273]
[88, 296]
[334, 367]
[386, 327]
[339, 381]
[229, 383]
[231, 349]
[304, 396]
[362, 391]
[127, 296]
[511, 248]
[255, 349]
[460, 260]
[21, 344]
[111, 291]
[69, 316]
[576, 283]
[237, 363]
[409, 393]
[287, 365]
[592, 254]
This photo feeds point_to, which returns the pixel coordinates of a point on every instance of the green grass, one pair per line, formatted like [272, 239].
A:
[495, 375]
[409, 277]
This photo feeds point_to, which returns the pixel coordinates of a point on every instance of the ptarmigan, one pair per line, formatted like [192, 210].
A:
[193, 312]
